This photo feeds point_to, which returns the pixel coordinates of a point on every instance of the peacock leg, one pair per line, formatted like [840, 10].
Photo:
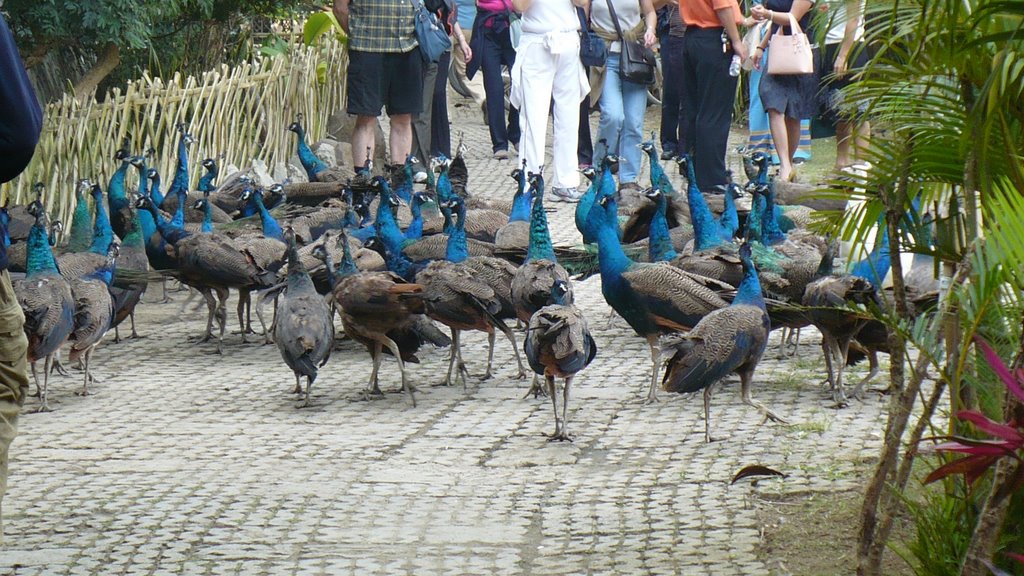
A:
[117, 335]
[782, 342]
[858, 390]
[135, 335]
[796, 341]
[745, 380]
[707, 412]
[47, 364]
[298, 386]
[243, 297]
[535, 389]
[35, 378]
[58, 366]
[461, 366]
[371, 387]
[452, 357]
[309, 390]
[826, 348]
[490, 353]
[652, 394]
[166, 298]
[222, 316]
[401, 367]
[515, 348]
[259, 315]
[85, 362]
[550, 382]
[838, 394]
[565, 411]
[211, 312]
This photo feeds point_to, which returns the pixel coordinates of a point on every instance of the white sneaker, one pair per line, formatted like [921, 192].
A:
[570, 195]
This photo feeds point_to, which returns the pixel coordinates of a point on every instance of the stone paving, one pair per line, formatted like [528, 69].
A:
[185, 462]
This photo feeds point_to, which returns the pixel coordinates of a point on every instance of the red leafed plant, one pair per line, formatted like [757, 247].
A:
[1007, 438]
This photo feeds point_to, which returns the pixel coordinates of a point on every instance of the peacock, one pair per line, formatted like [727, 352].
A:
[181, 176]
[731, 339]
[559, 345]
[80, 237]
[310, 163]
[131, 256]
[303, 324]
[605, 181]
[45, 298]
[117, 191]
[659, 246]
[516, 232]
[708, 230]
[659, 180]
[94, 312]
[652, 298]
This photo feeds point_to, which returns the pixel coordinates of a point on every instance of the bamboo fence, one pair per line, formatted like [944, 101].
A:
[237, 114]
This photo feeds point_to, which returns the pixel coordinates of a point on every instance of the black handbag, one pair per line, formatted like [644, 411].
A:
[593, 51]
[636, 61]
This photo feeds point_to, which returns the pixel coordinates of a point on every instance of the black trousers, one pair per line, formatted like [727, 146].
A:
[708, 96]
[672, 117]
[585, 146]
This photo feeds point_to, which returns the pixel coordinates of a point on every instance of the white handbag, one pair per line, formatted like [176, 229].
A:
[790, 54]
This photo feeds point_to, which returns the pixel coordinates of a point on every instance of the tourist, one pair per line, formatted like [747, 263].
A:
[465, 13]
[709, 91]
[493, 50]
[671, 40]
[548, 67]
[844, 53]
[623, 103]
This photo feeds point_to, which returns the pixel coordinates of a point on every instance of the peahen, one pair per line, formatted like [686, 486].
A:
[382, 312]
[494, 272]
[731, 339]
[559, 345]
[303, 324]
[94, 312]
[45, 298]
[652, 298]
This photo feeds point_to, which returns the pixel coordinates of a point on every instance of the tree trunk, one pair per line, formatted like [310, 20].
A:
[105, 64]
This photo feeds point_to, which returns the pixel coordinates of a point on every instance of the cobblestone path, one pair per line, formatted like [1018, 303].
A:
[184, 462]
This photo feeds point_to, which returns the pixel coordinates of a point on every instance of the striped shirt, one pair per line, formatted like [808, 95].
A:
[382, 25]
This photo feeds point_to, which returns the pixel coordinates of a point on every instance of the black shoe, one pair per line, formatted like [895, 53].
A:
[668, 155]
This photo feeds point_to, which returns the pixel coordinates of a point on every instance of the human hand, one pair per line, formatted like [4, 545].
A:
[467, 52]
[759, 12]
[649, 38]
[756, 57]
[739, 49]
[839, 67]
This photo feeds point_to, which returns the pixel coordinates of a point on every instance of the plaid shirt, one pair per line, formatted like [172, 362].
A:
[382, 25]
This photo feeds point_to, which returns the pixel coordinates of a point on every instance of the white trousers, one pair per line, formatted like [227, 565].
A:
[548, 67]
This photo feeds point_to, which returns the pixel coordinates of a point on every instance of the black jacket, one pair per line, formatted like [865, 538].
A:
[21, 118]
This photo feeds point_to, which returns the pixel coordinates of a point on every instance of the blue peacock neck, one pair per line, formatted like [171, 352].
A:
[271, 229]
[39, 256]
[540, 247]
[102, 234]
[772, 234]
[660, 247]
[458, 249]
[749, 291]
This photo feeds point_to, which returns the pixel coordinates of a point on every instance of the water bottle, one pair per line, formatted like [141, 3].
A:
[734, 66]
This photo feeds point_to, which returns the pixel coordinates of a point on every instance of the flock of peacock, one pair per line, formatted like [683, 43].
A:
[702, 286]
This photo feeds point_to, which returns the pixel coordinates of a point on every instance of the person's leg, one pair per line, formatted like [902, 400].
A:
[567, 93]
[366, 77]
[843, 141]
[404, 98]
[609, 127]
[861, 139]
[585, 145]
[536, 77]
[363, 139]
[803, 142]
[421, 122]
[689, 94]
[440, 133]
[508, 58]
[716, 92]
[13, 377]
[494, 87]
[780, 137]
[634, 101]
[671, 93]
[474, 87]
[760, 136]
[793, 136]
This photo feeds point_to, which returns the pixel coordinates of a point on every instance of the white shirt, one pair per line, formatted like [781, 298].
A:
[545, 16]
[837, 20]
[627, 11]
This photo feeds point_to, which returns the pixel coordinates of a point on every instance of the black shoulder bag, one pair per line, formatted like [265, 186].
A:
[636, 61]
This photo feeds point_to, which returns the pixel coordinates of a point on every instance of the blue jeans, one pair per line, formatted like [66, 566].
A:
[622, 120]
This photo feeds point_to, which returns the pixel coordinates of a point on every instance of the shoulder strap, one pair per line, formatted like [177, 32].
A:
[584, 26]
[615, 19]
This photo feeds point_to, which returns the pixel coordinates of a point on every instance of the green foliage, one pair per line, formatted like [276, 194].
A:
[943, 521]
